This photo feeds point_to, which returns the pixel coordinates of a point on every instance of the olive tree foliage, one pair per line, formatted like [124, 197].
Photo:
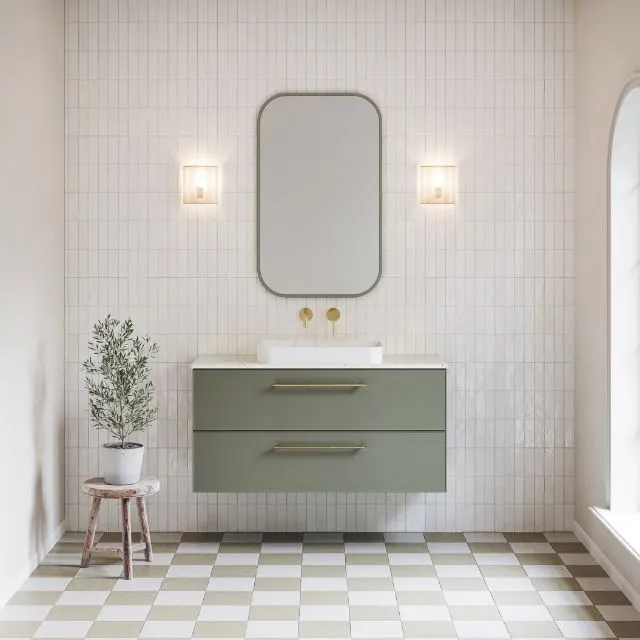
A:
[118, 378]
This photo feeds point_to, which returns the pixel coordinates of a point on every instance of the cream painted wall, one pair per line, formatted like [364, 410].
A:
[31, 284]
[607, 54]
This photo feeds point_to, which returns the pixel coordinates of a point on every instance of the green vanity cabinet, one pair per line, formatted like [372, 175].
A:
[276, 429]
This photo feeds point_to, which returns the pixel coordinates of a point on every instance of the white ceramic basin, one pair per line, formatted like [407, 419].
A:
[303, 352]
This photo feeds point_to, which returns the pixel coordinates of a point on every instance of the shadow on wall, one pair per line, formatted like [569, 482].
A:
[39, 433]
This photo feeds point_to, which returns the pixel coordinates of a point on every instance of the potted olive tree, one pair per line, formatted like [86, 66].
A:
[121, 394]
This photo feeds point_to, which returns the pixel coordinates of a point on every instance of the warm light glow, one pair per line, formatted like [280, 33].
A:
[200, 185]
[437, 185]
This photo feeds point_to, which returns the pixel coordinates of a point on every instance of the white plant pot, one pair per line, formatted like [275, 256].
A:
[122, 466]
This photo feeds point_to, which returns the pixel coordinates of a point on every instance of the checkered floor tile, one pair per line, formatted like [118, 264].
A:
[352, 585]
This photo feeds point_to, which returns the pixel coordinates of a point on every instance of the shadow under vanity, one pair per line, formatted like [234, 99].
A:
[265, 427]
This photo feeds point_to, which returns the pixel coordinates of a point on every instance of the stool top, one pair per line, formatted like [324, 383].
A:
[100, 489]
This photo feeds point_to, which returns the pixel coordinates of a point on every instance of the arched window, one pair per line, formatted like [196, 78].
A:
[624, 308]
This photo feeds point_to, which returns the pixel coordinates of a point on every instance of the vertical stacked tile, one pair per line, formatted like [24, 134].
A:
[488, 284]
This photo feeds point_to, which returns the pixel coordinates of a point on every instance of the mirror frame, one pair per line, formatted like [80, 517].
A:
[258, 215]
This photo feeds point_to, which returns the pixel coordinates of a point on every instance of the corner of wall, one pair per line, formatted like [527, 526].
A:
[16, 579]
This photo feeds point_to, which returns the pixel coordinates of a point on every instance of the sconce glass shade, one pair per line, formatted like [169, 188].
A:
[437, 185]
[200, 185]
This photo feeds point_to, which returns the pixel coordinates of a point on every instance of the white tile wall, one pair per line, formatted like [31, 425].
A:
[485, 84]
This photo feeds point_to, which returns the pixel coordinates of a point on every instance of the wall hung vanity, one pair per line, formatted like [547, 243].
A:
[311, 416]
[302, 425]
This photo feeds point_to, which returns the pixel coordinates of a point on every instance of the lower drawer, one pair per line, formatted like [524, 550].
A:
[230, 461]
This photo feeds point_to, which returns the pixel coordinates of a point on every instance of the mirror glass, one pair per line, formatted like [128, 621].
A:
[319, 195]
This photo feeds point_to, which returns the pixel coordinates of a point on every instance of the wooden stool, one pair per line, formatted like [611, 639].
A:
[98, 489]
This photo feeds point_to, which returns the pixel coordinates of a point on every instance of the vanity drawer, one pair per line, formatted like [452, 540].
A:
[231, 461]
[319, 399]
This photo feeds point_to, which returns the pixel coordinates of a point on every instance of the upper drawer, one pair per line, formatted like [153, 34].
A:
[319, 399]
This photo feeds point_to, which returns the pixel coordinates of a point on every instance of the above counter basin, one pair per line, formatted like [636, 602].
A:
[338, 352]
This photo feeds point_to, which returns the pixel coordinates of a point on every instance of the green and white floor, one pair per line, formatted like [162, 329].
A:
[351, 585]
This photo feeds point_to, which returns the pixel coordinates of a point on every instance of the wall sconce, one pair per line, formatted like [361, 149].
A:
[200, 185]
[437, 185]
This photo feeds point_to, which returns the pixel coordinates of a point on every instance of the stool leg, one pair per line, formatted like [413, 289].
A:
[91, 531]
[144, 529]
[126, 540]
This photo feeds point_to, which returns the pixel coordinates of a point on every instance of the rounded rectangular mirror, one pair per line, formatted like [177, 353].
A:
[319, 195]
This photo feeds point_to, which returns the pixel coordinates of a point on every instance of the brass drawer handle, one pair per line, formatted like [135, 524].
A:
[318, 385]
[319, 447]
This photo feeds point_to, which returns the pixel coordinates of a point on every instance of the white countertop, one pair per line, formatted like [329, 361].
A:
[250, 362]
